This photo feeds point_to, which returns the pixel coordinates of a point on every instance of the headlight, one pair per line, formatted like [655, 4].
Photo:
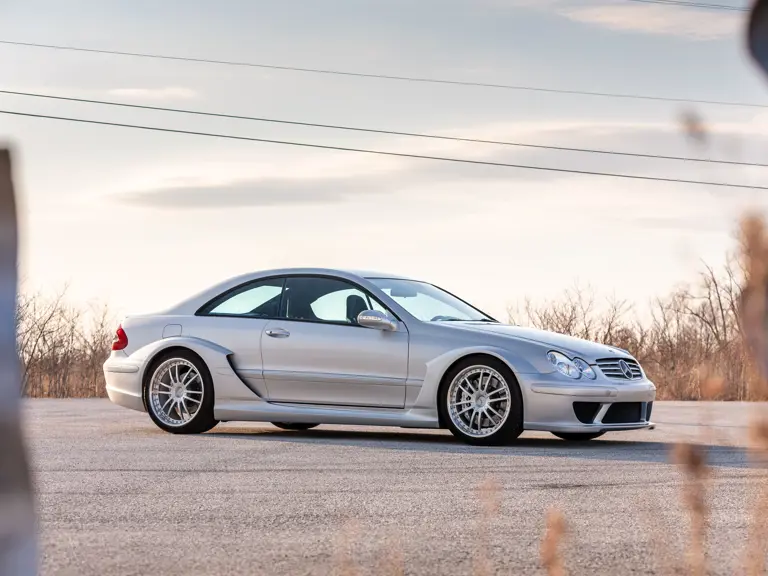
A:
[585, 369]
[574, 369]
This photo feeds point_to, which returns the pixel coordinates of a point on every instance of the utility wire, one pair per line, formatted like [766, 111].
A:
[377, 131]
[385, 153]
[388, 77]
[694, 5]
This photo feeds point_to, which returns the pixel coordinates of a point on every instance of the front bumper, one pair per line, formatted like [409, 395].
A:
[602, 405]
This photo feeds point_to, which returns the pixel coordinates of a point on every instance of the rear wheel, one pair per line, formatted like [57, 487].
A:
[179, 393]
[481, 403]
[294, 425]
[578, 436]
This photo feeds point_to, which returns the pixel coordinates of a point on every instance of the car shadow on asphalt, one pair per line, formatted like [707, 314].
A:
[443, 442]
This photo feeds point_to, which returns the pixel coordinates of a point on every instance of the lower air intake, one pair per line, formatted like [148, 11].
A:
[624, 413]
[586, 411]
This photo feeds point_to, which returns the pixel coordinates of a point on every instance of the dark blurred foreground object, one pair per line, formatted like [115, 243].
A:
[18, 541]
[757, 33]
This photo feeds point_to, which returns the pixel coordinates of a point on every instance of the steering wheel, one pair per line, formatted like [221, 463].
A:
[441, 317]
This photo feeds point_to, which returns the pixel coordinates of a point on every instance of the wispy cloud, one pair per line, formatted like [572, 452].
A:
[252, 192]
[683, 21]
[155, 94]
[655, 19]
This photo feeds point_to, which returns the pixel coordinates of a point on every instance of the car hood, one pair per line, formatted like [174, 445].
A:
[589, 351]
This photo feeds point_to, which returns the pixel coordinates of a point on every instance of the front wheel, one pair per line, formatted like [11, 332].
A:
[481, 403]
[294, 425]
[578, 436]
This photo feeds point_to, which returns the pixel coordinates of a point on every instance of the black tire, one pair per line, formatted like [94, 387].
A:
[510, 429]
[203, 419]
[294, 425]
[578, 436]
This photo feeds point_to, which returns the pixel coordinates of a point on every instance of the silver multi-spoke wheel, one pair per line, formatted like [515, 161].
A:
[176, 392]
[479, 401]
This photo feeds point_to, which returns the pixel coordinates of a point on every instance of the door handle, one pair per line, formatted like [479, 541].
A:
[278, 333]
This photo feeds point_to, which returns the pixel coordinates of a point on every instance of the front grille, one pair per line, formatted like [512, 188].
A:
[612, 368]
[648, 411]
[624, 413]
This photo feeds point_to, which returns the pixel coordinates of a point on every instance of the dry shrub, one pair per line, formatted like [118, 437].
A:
[757, 542]
[391, 558]
[550, 556]
[755, 322]
[692, 460]
[754, 245]
[489, 494]
[344, 563]
[62, 347]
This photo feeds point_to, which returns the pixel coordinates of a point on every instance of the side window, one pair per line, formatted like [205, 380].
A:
[324, 300]
[259, 299]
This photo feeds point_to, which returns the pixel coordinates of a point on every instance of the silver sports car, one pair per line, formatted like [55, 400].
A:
[302, 347]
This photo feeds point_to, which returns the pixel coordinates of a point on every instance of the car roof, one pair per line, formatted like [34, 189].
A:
[341, 272]
[192, 304]
[374, 274]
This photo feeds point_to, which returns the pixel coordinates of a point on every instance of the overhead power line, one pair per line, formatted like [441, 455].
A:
[388, 77]
[694, 5]
[378, 131]
[386, 153]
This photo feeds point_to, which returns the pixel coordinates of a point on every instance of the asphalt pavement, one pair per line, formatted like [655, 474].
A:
[116, 495]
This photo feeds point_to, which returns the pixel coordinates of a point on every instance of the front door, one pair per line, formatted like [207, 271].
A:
[318, 354]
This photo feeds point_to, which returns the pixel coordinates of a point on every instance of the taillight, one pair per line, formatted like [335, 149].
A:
[121, 339]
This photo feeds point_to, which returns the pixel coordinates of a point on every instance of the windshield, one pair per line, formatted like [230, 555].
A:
[428, 302]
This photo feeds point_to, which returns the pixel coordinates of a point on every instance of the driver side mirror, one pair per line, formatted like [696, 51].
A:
[376, 319]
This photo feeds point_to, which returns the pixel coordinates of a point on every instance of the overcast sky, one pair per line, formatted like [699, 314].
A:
[141, 219]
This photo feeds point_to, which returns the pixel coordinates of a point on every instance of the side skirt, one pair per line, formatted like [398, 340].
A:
[260, 411]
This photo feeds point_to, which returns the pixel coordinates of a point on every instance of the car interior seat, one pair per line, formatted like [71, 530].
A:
[355, 305]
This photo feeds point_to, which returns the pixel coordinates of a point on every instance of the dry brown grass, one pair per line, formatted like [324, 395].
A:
[550, 544]
[755, 322]
[344, 563]
[757, 542]
[391, 558]
[62, 347]
[691, 458]
[489, 495]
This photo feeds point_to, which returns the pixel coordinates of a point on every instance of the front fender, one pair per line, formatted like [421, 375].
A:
[437, 367]
[227, 384]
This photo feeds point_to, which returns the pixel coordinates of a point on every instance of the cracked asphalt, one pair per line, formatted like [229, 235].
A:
[117, 496]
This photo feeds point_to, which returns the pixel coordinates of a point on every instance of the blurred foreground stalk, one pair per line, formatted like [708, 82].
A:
[753, 299]
[18, 546]
[754, 318]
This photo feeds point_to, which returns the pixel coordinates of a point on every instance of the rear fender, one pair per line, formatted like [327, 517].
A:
[227, 384]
